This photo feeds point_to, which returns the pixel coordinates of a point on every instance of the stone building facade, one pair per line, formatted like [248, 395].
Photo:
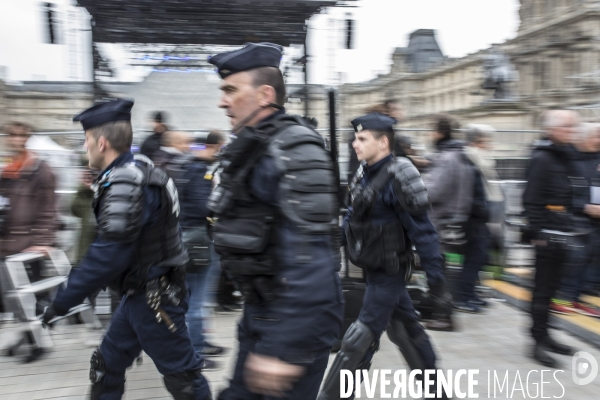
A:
[556, 51]
[46, 106]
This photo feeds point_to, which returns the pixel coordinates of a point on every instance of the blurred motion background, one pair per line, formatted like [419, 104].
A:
[498, 62]
[494, 65]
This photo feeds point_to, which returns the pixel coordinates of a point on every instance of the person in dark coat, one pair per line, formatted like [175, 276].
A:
[152, 144]
[28, 211]
[548, 202]
[27, 183]
[193, 189]
[582, 259]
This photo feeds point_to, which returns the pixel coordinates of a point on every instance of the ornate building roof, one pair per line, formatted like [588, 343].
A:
[423, 51]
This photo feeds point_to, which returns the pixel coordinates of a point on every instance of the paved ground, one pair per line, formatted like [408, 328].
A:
[494, 341]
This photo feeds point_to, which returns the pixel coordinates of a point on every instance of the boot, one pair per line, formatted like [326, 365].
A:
[541, 355]
[557, 347]
[442, 311]
[441, 324]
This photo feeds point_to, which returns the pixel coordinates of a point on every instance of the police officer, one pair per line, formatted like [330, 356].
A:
[139, 253]
[277, 215]
[387, 215]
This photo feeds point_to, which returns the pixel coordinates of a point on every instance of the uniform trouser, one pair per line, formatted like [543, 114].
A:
[549, 261]
[592, 278]
[134, 328]
[213, 276]
[580, 259]
[475, 257]
[306, 388]
[197, 282]
[386, 298]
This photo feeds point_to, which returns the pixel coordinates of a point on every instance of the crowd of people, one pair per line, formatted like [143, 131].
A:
[162, 228]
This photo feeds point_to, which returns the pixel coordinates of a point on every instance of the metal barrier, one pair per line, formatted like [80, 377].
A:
[20, 294]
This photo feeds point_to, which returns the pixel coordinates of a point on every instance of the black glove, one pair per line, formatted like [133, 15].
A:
[49, 314]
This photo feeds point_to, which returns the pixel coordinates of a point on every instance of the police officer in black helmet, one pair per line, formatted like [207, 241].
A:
[137, 252]
[276, 221]
[387, 215]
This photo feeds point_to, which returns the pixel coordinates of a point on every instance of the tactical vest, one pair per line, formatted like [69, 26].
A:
[244, 234]
[120, 195]
[371, 245]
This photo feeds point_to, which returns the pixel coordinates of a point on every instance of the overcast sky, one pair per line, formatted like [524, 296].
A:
[462, 27]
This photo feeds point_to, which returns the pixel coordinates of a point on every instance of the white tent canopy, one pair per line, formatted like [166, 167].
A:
[39, 143]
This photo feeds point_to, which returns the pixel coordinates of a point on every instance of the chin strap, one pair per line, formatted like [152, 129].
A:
[253, 114]
[275, 106]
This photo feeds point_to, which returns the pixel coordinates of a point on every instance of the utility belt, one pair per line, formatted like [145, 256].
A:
[166, 289]
[564, 240]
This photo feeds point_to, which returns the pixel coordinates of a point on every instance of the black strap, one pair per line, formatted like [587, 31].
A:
[382, 177]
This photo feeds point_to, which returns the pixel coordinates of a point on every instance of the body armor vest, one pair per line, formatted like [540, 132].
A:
[244, 233]
[370, 245]
[157, 245]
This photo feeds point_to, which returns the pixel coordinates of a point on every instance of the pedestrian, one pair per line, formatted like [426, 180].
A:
[548, 202]
[27, 183]
[151, 145]
[139, 253]
[276, 222]
[478, 236]
[28, 220]
[193, 189]
[449, 185]
[581, 259]
[81, 207]
[386, 216]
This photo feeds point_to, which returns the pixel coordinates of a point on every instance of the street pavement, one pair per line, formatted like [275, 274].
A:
[495, 342]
